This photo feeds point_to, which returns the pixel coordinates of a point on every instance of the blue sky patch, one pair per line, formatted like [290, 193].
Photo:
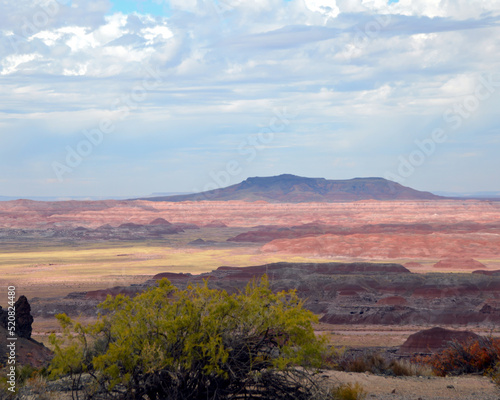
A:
[153, 7]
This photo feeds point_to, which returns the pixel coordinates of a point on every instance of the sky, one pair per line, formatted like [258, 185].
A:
[129, 98]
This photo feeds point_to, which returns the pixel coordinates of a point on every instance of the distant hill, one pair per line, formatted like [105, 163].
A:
[296, 189]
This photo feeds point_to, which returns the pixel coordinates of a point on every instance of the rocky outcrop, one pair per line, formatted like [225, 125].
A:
[27, 351]
[24, 319]
[3, 317]
[433, 340]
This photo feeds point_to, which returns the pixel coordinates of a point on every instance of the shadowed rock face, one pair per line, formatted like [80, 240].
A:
[24, 319]
[296, 189]
[3, 317]
[433, 340]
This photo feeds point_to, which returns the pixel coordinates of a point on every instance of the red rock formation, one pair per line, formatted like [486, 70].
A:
[433, 340]
[391, 246]
[466, 216]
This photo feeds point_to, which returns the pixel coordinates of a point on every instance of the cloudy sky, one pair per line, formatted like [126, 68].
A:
[124, 98]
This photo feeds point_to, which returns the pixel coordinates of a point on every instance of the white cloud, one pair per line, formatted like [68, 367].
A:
[221, 73]
[460, 9]
[327, 7]
[155, 33]
[12, 63]
[113, 29]
[185, 5]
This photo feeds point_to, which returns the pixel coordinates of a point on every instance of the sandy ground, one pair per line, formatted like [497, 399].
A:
[425, 388]
[390, 388]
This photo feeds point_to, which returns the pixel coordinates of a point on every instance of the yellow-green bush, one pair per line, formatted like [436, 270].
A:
[195, 343]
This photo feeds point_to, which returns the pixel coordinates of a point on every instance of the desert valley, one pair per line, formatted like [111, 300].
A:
[377, 262]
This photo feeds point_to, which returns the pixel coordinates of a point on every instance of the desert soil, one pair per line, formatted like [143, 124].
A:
[382, 388]
[470, 387]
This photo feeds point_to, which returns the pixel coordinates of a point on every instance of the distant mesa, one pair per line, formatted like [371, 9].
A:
[160, 221]
[433, 340]
[201, 242]
[216, 224]
[106, 227]
[289, 188]
[459, 263]
[197, 241]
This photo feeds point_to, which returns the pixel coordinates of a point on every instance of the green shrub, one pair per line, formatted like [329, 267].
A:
[196, 343]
